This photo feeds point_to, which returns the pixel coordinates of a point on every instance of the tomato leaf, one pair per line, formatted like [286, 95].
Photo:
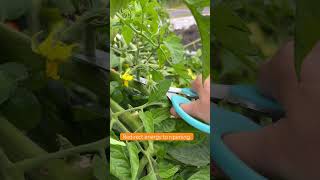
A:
[116, 142]
[15, 70]
[160, 92]
[150, 176]
[120, 165]
[127, 34]
[192, 154]
[116, 5]
[8, 85]
[147, 120]
[173, 43]
[201, 174]
[99, 168]
[203, 22]
[167, 170]
[23, 109]
[134, 159]
[168, 125]
[230, 30]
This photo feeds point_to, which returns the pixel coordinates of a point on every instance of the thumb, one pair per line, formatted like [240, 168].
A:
[190, 108]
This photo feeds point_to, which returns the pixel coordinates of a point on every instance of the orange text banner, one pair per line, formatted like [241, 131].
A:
[156, 136]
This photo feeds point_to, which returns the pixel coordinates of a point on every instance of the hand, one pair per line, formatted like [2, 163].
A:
[199, 108]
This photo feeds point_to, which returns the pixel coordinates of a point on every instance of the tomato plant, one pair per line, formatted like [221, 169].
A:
[143, 45]
[245, 34]
[52, 107]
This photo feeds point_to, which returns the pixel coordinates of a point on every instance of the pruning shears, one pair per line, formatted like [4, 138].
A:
[180, 96]
[224, 122]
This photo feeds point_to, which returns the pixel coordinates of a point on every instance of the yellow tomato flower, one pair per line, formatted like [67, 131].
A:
[52, 69]
[55, 52]
[126, 77]
[190, 73]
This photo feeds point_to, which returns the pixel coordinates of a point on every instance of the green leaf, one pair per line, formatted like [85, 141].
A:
[99, 168]
[127, 34]
[168, 125]
[192, 154]
[150, 176]
[87, 112]
[119, 163]
[116, 142]
[180, 70]
[307, 30]
[203, 23]
[160, 92]
[157, 75]
[15, 70]
[231, 31]
[114, 60]
[65, 6]
[116, 5]
[174, 45]
[167, 170]
[163, 55]
[23, 110]
[7, 86]
[13, 9]
[143, 3]
[160, 114]
[134, 159]
[201, 174]
[147, 121]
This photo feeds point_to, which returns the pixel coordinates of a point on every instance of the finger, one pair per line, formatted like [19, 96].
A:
[173, 112]
[202, 88]
[190, 108]
[197, 84]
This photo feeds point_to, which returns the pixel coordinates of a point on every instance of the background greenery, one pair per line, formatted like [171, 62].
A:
[52, 128]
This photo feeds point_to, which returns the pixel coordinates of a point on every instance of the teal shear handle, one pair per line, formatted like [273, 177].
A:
[225, 122]
[176, 102]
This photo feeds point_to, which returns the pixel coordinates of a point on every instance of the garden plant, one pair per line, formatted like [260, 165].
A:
[143, 44]
[247, 33]
[53, 107]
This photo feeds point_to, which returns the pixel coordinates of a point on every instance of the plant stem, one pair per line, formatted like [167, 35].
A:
[143, 162]
[126, 118]
[192, 43]
[135, 30]
[32, 163]
[19, 147]
[117, 114]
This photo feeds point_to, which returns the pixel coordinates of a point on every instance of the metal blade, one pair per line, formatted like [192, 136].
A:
[169, 95]
[175, 90]
[219, 91]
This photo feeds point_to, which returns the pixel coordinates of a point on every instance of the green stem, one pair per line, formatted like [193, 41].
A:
[143, 162]
[135, 30]
[19, 147]
[32, 163]
[139, 108]
[192, 43]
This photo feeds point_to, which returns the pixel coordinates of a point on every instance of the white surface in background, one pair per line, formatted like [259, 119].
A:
[182, 22]
[182, 18]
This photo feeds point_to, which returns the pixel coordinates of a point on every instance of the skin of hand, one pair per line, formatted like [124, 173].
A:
[289, 148]
[199, 108]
